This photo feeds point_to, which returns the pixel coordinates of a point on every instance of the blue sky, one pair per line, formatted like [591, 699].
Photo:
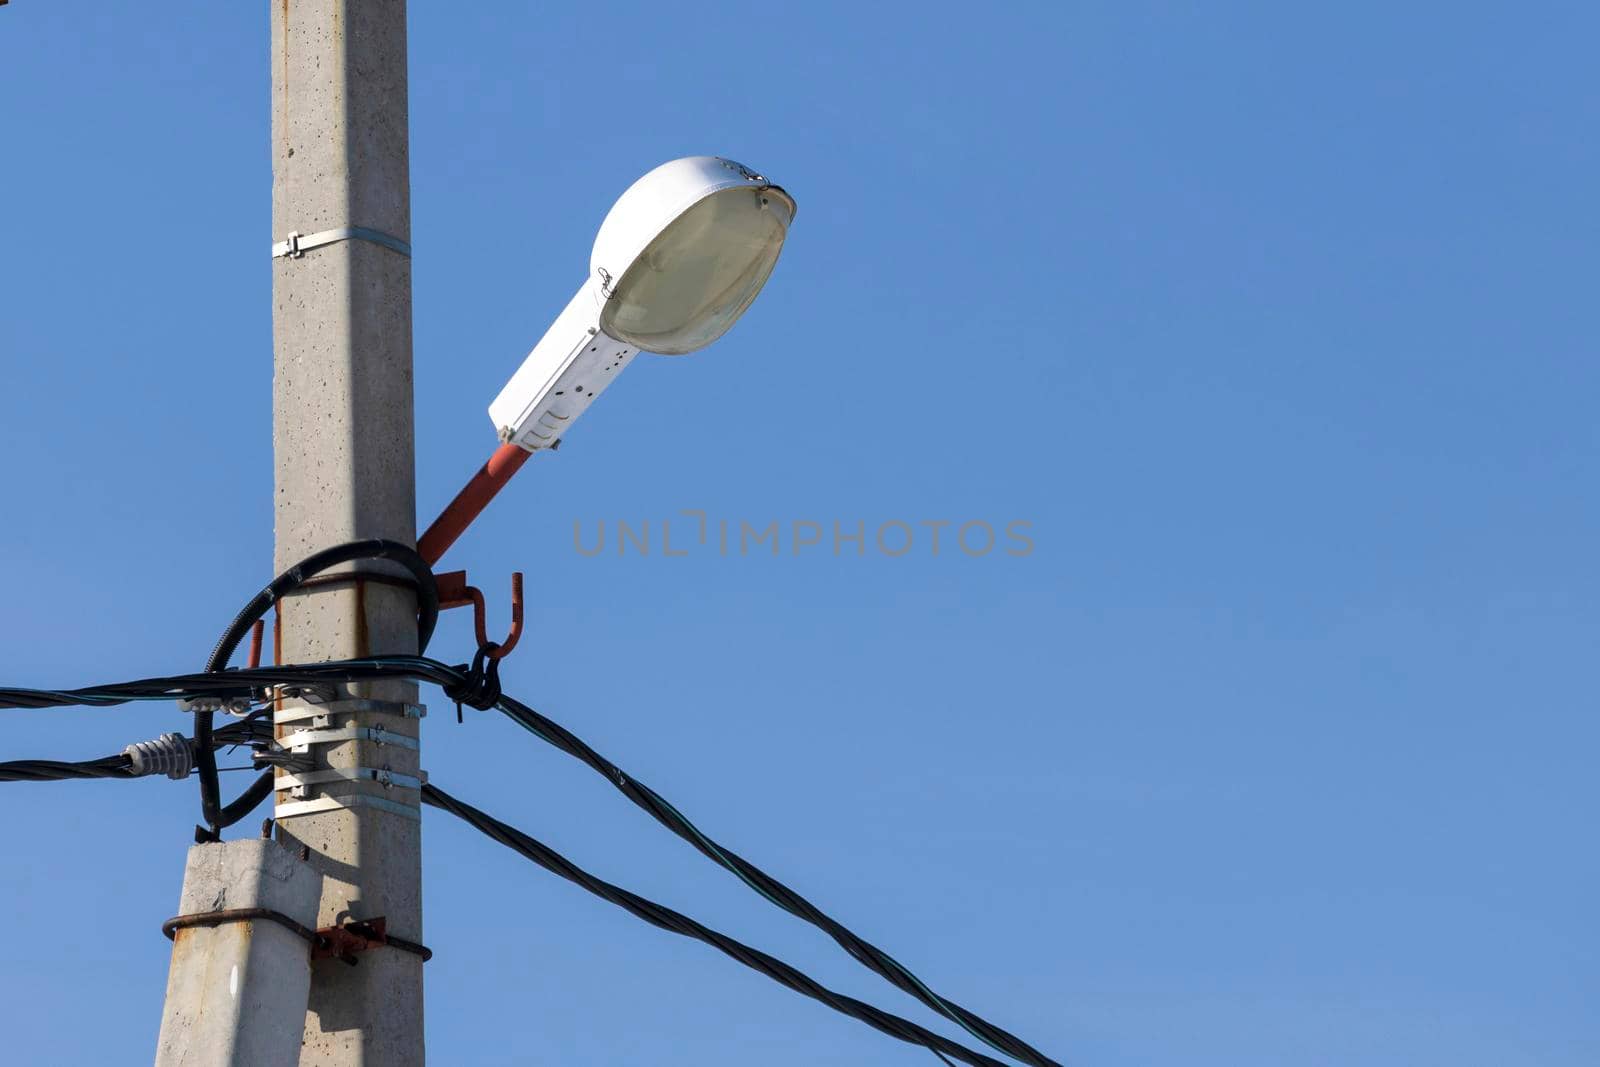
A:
[1277, 327]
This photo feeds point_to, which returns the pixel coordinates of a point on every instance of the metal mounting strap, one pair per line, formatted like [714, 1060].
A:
[349, 707]
[349, 937]
[235, 915]
[354, 800]
[298, 244]
[382, 775]
[339, 941]
[302, 740]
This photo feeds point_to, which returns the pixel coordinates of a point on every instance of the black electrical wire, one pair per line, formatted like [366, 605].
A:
[217, 816]
[869, 955]
[248, 731]
[244, 732]
[250, 683]
[316, 563]
[667, 919]
[49, 770]
[245, 682]
[251, 731]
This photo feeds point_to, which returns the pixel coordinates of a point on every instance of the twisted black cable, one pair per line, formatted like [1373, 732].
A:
[49, 770]
[316, 563]
[869, 955]
[215, 815]
[245, 732]
[251, 681]
[661, 916]
[247, 682]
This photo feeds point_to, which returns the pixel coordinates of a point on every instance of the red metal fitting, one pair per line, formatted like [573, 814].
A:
[342, 942]
[454, 592]
[470, 502]
[255, 643]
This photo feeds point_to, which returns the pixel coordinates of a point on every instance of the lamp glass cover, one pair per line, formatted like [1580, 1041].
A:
[699, 274]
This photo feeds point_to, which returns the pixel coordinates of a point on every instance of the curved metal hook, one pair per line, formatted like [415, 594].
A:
[503, 648]
[454, 592]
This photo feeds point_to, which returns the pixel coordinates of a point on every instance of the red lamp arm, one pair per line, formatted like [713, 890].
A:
[470, 502]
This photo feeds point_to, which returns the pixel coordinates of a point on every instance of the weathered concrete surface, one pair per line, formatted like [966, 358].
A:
[236, 993]
[344, 469]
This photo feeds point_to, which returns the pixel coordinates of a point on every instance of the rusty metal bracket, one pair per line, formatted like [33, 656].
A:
[454, 592]
[236, 915]
[331, 942]
[344, 941]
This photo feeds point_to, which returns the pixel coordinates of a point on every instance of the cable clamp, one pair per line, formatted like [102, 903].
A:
[299, 782]
[293, 762]
[353, 800]
[312, 693]
[227, 705]
[302, 740]
[298, 244]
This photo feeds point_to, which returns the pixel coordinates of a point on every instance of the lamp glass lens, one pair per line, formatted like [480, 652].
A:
[696, 278]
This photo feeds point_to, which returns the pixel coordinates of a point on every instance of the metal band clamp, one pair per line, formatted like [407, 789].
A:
[382, 775]
[354, 800]
[298, 244]
[339, 942]
[302, 740]
[316, 712]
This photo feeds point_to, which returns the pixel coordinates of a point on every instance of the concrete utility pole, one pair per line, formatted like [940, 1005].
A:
[344, 469]
[237, 989]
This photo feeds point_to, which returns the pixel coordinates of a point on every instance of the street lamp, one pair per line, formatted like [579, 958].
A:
[678, 259]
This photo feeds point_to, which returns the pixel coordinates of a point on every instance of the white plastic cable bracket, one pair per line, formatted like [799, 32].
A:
[317, 714]
[354, 800]
[298, 785]
[302, 740]
[298, 244]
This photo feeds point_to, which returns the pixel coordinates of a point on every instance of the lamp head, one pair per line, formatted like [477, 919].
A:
[678, 259]
[685, 250]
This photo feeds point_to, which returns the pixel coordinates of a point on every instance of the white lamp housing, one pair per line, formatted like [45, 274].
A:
[677, 260]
